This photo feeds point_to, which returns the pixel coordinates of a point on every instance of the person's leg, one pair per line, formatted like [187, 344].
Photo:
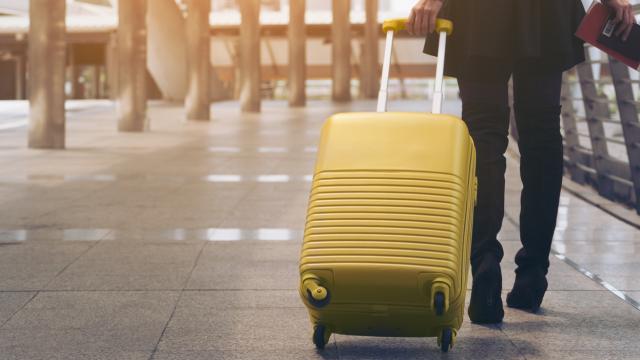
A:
[485, 110]
[537, 110]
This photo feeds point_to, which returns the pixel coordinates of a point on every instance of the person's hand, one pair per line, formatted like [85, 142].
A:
[624, 19]
[422, 20]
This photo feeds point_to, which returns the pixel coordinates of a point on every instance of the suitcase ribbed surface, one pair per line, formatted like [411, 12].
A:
[403, 218]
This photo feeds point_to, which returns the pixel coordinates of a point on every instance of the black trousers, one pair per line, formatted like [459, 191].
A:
[485, 108]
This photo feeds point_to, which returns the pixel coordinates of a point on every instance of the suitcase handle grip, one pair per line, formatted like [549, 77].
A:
[444, 28]
[401, 24]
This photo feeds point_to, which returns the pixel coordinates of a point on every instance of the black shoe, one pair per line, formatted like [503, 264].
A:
[528, 290]
[486, 303]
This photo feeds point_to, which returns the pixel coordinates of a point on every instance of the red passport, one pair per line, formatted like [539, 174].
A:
[595, 31]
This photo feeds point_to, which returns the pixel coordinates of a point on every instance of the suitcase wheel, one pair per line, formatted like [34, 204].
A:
[321, 336]
[317, 295]
[445, 340]
[438, 304]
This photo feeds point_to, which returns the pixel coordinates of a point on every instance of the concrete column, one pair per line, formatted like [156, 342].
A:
[47, 47]
[74, 74]
[198, 98]
[297, 53]
[95, 83]
[341, 54]
[370, 73]
[132, 66]
[236, 58]
[250, 56]
[111, 67]
[20, 77]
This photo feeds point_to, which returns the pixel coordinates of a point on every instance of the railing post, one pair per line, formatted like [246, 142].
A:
[595, 109]
[571, 138]
[629, 118]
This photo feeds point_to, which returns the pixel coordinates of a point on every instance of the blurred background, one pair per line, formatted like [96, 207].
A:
[91, 25]
[339, 65]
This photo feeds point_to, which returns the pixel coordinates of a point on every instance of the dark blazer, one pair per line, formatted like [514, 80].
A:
[509, 29]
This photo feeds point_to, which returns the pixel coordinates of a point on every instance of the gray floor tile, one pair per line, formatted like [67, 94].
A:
[95, 310]
[75, 344]
[239, 324]
[238, 330]
[566, 324]
[88, 324]
[473, 342]
[218, 300]
[31, 267]
[272, 353]
[10, 302]
[247, 265]
[114, 266]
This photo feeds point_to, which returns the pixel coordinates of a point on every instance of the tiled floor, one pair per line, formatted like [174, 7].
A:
[182, 243]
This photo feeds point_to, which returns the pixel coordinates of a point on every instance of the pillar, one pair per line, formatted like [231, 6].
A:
[297, 53]
[341, 54]
[20, 77]
[198, 98]
[370, 74]
[111, 67]
[250, 56]
[95, 83]
[132, 66]
[47, 47]
[74, 73]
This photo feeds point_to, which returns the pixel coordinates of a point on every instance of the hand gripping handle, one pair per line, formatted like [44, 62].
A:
[443, 27]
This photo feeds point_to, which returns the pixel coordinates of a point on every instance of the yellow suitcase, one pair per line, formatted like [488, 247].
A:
[387, 238]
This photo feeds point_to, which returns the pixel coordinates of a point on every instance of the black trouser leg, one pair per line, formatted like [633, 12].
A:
[537, 112]
[485, 109]
[486, 112]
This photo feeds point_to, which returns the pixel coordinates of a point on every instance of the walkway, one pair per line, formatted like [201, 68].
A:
[183, 243]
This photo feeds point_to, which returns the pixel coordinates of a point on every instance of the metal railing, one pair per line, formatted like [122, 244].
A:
[600, 101]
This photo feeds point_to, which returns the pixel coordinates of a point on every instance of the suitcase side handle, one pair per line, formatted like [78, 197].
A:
[444, 28]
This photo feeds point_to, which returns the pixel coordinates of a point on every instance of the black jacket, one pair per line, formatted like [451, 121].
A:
[510, 29]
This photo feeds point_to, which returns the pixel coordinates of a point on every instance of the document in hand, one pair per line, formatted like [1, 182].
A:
[598, 30]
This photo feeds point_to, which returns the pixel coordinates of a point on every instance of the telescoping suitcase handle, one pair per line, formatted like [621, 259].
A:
[443, 27]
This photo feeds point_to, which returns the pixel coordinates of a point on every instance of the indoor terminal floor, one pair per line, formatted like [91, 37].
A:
[183, 242]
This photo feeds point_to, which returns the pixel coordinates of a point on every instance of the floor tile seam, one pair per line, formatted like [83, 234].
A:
[236, 205]
[515, 346]
[18, 310]
[45, 286]
[166, 326]
[193, 267]
[175, 306]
